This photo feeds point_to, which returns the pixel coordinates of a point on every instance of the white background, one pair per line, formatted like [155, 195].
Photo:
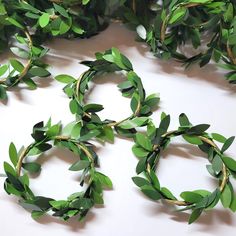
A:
[202, 94]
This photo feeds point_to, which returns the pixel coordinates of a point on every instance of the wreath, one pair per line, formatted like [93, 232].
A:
[148, 147]
[77, 204]
[111, 61]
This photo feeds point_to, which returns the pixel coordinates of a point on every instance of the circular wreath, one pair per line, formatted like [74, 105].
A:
[110, 61]
[148, 148]
[78, 203]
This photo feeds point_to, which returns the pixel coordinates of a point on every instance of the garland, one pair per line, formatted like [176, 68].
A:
[148, 148]
[166, 27]
[31, 23]
[207, 26]
[86, 114]
[78, 203]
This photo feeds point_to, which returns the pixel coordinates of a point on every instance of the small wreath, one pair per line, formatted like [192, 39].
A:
[77, 204]
[149, 146]
[110, 61]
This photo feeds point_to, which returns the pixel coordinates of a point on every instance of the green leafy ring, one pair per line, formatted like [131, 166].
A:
[149, 146]
[78, 203]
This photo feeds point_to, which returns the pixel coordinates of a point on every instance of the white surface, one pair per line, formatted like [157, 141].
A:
[202, 94]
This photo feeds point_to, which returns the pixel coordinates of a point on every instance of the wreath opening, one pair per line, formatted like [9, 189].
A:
[187, 162]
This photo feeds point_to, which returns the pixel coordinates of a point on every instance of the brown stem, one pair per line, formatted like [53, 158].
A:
[225, 178]
[60, 137]
[177, 203]
[28, 64]
[230, 54]
[20, 161]
[165, 22]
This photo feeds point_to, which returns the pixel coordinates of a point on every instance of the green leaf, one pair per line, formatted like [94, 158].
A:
[30, 83]
[85, 2]
[167, 193]
[37, 214]
[9, 169]
[191, 197]
[154, 179]
[227, 144]
[141, 166]
[109, 134]
[80, 165]
[93, 108]
[178, 14]
[134, 123]
[217, 164]
[3, 69]
[44, 19]
[103, 179]
[229, 162]
[15, 182]
[198, 129]
[226, 196]
[67, 79]
[140, 181]
[18, 66]
[195, 215]
[20, 52]
[139, 151]
[82, 203]
[13, 154]
[15, 22]
[233, 204]
[53, 130]
[91, 134]
[218, 137]
[202, 192]
[61, 10]
[32, 167]
[193, 139]
[152, 100]
[164, 124]
[143, 141]
[39, 71]
[183, 120]
[150, 192]
[58, 204]
[3, 94]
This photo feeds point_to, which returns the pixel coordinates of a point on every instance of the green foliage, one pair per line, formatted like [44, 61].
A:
[110, 61]
[148, 148]
[77, 204]
[169, 27]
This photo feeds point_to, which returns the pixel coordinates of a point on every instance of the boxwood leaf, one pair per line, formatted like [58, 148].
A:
[80, 165]
[32, 167]
[227, 144]
[140, 181]
[13, 154]
[150, 192]
[143, 141]
[135, 122]
[226, 196]
[229, 162]
[191, 197]
[195, 215]
[67, 79]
